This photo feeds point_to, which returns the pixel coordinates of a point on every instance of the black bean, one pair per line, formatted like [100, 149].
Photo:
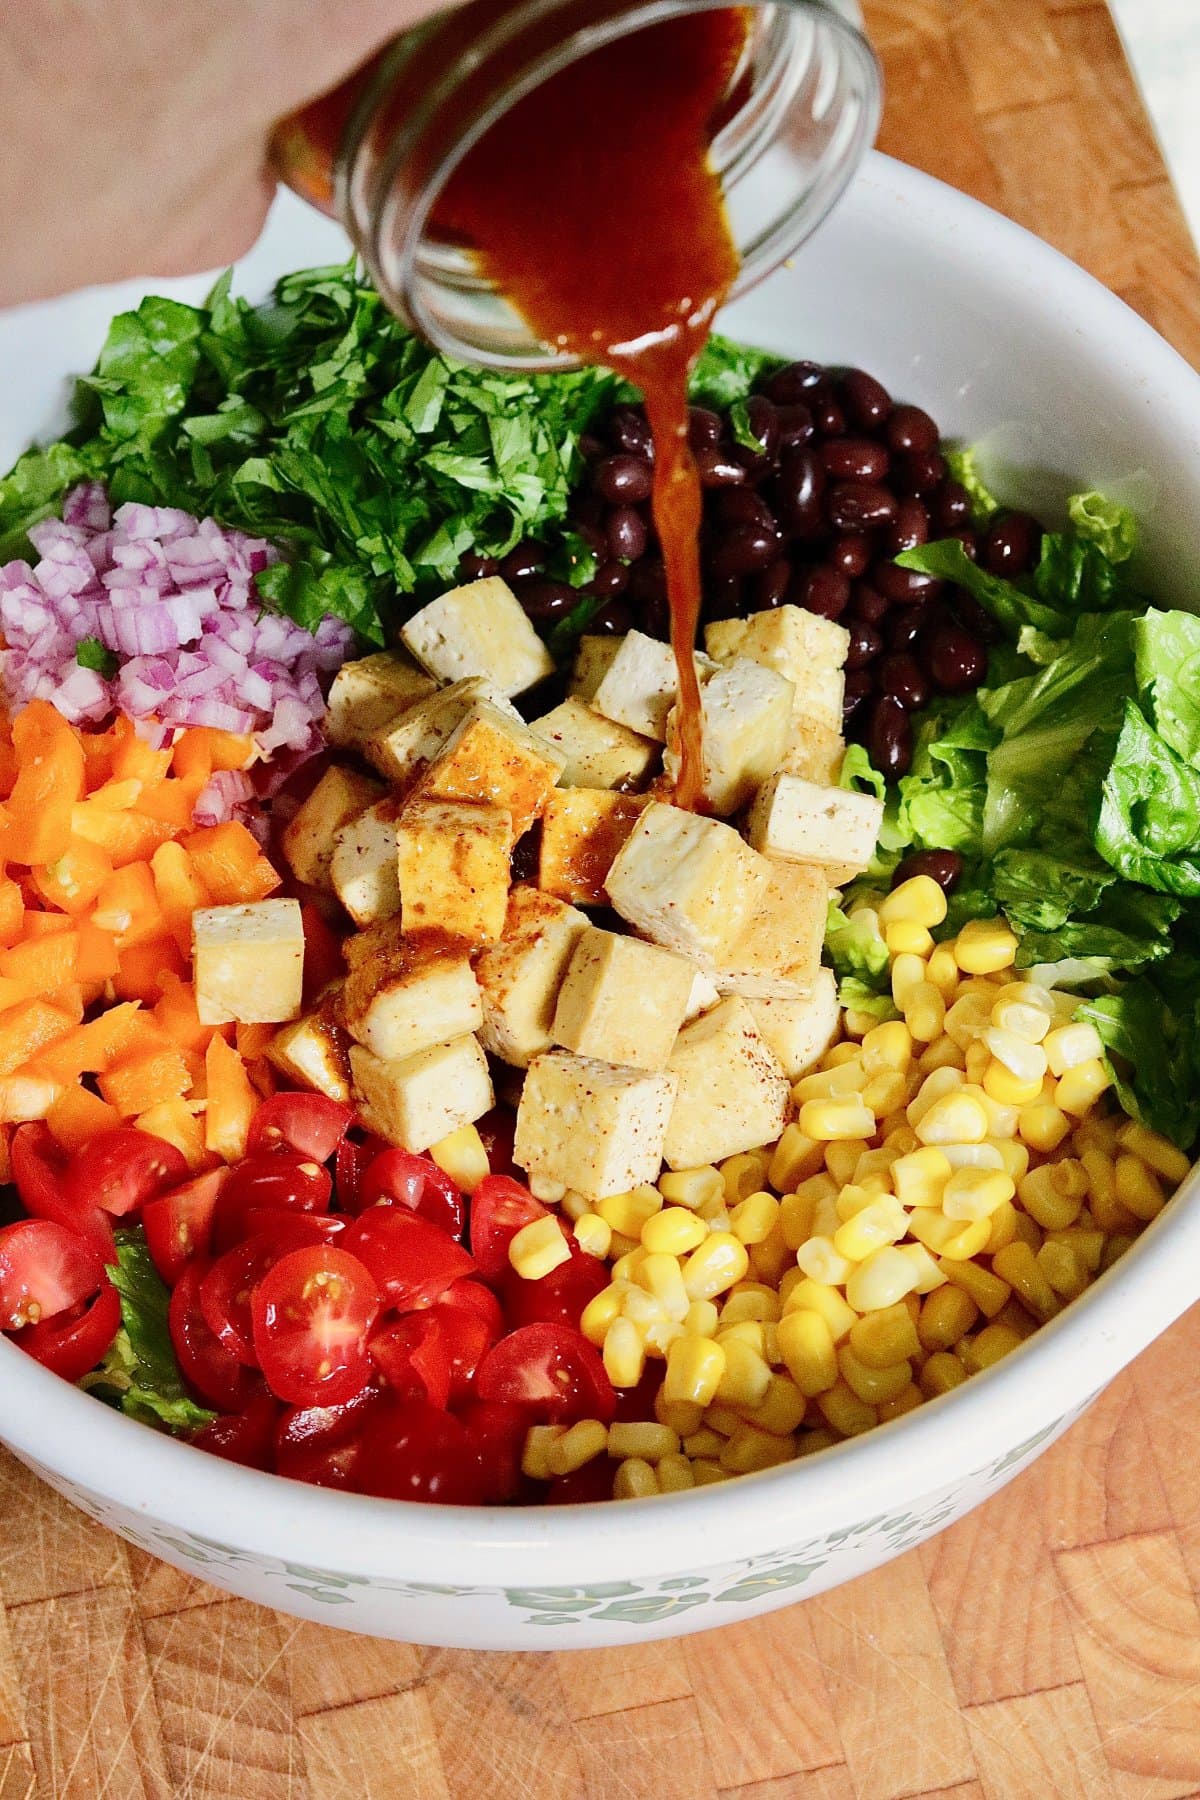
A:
[911, 429]
[595, 538]
[867, 603]
[1011, 545]
[828, 418]
[902, 676]
[851, 554]
[623, 479]
[648, 581]
[474, 567]
[854, 459]
[614, 619]
[588, 509]
[821, 590]
[903, 587]
[859, 688]
[865, 645]
[956, 661]
[796, 492]
[793, 384]
[610, 579]
[546, 600]
[860, 506]
[704, 427]
[795, 425]
[969, 542]
[742, 506]
[527, 559]
[590, 446]
[763, 422]
[919, 472]
[771, 585]
[656, 620]
[908, 529]
[973, 617]
[626, 533]
[942, 866]
[723, 598]
[889, 737]
[867, 400]
[905, 625]
[950, 508]
[718, 469]
[743, 550]
[629, 429]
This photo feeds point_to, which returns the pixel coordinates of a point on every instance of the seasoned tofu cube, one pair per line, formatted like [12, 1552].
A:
[642, 685]
[591, 1126]
[479, 629]
[453, 863]
[597, 752]
[703, 996]
[520, 976]
[339, 796]
[746, 712]
[593, 659]
[732, 1093]
[493, 758]
[799, 1032]
[687, 883]
[421, 1099]
[796, 821]
[778, 953]
[401, 749]
[370, 693]
[622, 1001]
[809, 651]
[248, 962]
[814, 750]
[582, 831]
[405, 993]
[362, 867]
[314, 1052]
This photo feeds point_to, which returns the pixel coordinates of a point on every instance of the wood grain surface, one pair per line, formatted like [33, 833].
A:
[1047, 1646]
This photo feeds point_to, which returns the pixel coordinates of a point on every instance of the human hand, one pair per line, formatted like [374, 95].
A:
[136, 132]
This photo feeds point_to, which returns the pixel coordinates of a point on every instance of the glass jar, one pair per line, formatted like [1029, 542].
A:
[802, 110]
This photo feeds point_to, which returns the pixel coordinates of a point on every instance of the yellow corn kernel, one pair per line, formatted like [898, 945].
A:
[1007, 1089]
[887, 1046]
[920, 898]
[796, 1157]
[600, 1312]
[841, 1158]
[715, 1266]
[593, 1235]
[1063, 1269]
[642, 1440]
[943, 1053]
[575, 1206]
[1044, 1200]
[906, 1401]
[1014, 1157]
[535, 1456]
[746, 1377]
[705, 1442]
[634, 1480]
[715, 1214]
[1069, 1045]
[750, 1300]
[870, 1384]
[1001, 1117]
[933, 1088]
[973, 1194]
[847, 1077]
[628, 1213]
[982, 1287]
[1043, 1126]
[885, 1093]
[683, 1416]
[857, 1024]
[943, 970]
[745, 1331]
[754, 1218]
[695, 1367]
[925, 1012]
[1098, 1133]
[877, 1163]
[984, 947]
[901, 1138]
[817, 1296]
[642, 1309]
[691, 1187]
[920, 1177]
[946, 1316]
[1114, 1249]
[904, 937]
[723, 1419]
[837, 1119]
[750, 1449]
[1138, 1188]
[844, 1411]
[807, 1348]
[538, 1248]
[926, 1274]
[782, 1409]
[931, 1228]
[1024, 1061]
[967, 1018]
[660, 1276]
[854, 1199]
[826, 1217]
[908, 972]
[1026, 1230]
[1016, 1011]
[838, 1054]
[788, 1283]
[1085, 1241]
[673, 1232]
[626, 1254]
[941, 1372]
[814, 1439]
[578, 1445]
[970, 1240]
[796, 1216]
[883, 1221]
[624, 1354]
[819, 1259]
[977, 1060]
[675, 1475]
[1079, 1089]
[880, 1340]
[706, 1473]
[1158, 1152]
[744, 1174]
[955, 1118]
[463, 1158]
[974, 1156]
[883, 1279]
[1018, 1265]
[993, 1342]
[1101, 1170]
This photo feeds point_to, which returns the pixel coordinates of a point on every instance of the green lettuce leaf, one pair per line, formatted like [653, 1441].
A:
[941, 799]
[860, 996]
[726, 372]
[1167, 664]
[1151, 1031]
[1008, 604]
[1128, 928]
[1105, 523]
[1149, 823]
[856, 950]
[962, 465]
[857, 774]
[140, 1373]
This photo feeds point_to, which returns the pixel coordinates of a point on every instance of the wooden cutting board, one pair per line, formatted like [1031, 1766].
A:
[1047, 1646]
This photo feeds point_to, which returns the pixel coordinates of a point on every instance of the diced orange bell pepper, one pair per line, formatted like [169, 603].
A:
[68, 1000]
[134, 1087]
[323, 960]
[73, 881]
[126, 836]
[252, 1041]
[201, 750]
[38, 924]
[142, 969]
[230, 864]
[231, 1101]
[127, 905]
[99, 748]
[27, 1094]
[96, 957]
[180, 891]
[40, 965]
[79, 1115]
[12, 911]
[28, 1029]
[175, 1121]
[136, 760]
[49, 783]
[112, 1036]
[170, 802]
[8, 770]
[116, 796]
[175, 1011]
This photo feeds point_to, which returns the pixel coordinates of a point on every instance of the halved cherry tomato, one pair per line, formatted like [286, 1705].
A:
[72, 1345]
[310, 1125]
[500, 1206]
[397, 1178]
[552, 1370]
[413, 1451]
[474, 1297]
[354, 1158]
[413, 1356]
[497, 1433]
[226, 1290]
[412, 1261]
[247, 1437]
[557, 1298]
[217, 1377]
[38, 1173]
[466, 1339]
[320, 1228]
[593, 1482]
[44, 1270]
[313, 1314]
[178, 1225]
[280, 1179]
[497, 1130]
[120, 1169]
[323, 1444]
[637, 1403]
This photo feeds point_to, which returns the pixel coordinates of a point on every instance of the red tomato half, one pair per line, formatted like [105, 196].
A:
[218, 1378]
[353, 1160]
[474, 1297]
[318, 1228]
[497, 1433]
[70, 1345]
[313, 1314]
[247, 1437]
[225, 1292]
[412, 1261]
[280, 1179]
[413, 1356]
[310, 1125]
[497, 1130]
[323, 1444]
[44, 1269]
[551, 1370]
[118, 1170]
[500, 1206]
[397, 1178]
[178, 1225]
[557, 1298]
[413, 1451]
[38, 1173]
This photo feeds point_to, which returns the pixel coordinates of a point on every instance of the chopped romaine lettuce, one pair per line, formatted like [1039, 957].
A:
[140, 1373]
[962, 465]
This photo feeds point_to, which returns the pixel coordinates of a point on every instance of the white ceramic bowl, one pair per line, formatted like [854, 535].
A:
[1004, 341]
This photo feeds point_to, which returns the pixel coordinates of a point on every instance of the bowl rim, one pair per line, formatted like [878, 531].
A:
[1055, 1373]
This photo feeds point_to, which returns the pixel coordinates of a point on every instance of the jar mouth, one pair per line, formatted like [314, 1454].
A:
[783, 157]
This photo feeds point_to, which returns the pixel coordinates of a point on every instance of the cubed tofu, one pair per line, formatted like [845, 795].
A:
[778, 952]
[493, 758]
[248, 962]
[401, 749]
[746, 712]
[687, 883]
[642, 685]
[593, 659]
[732, 1093]
[370, 693]
[799, 1032]
[814, 750]
[479, 629]
[520, 976]
[591, 1126]
[405, 993]
[622, 1001]
[362, 868]
[597, 752]
[453, 865]
[314, 1052]
[339, 796]
[582, 831]
[794, 820]
[808, 650]
[421, 1099]
[704, 995]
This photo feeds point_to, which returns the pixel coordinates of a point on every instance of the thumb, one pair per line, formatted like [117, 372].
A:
[318, 43]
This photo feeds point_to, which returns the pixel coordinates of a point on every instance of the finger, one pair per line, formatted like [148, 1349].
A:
[321, 42]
